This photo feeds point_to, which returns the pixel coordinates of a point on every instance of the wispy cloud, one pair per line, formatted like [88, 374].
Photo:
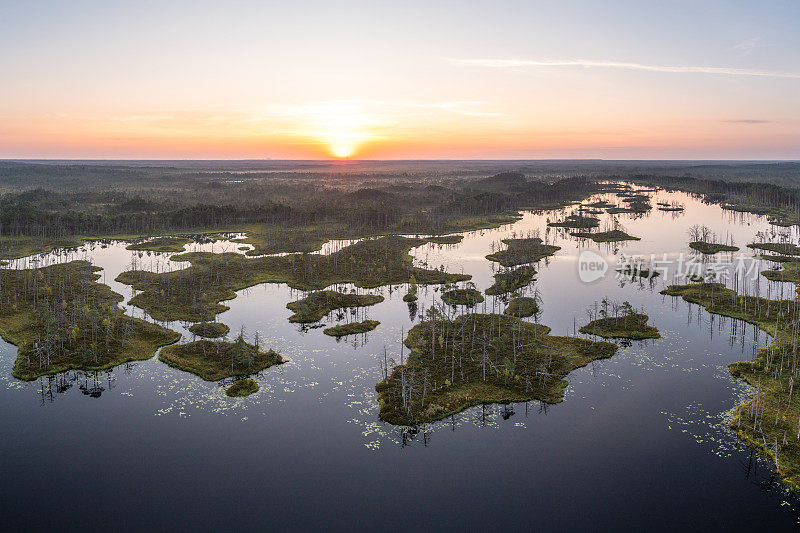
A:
[747, 121]
[726, 71]
[747, 44]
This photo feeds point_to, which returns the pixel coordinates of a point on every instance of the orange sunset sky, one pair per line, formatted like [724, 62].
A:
[411, 80]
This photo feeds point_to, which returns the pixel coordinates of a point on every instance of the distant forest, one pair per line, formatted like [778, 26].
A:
[56, 199]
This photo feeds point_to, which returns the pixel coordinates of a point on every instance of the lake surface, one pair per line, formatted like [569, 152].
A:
[640, 441]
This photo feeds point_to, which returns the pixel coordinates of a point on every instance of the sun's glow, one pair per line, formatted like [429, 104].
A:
[342, 127]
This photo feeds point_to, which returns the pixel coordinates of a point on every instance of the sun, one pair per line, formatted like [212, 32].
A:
[343, 127]
[342, 151]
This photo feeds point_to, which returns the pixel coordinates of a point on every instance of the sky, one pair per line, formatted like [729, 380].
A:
[400, 80]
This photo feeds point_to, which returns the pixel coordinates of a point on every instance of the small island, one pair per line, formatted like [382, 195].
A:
[628, 326]
[522, 251]
[576, 221]
[445, 239]
[467, 296]
[478, 359]
[210, 330]
[605, 236]
[241, 388]
[215, 360]
[317, 305]
[351, 328]
[161, 244]
[710, 248]
[783, 248]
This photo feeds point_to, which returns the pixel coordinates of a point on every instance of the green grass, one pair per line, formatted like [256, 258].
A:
[61, 319]
[522, 251]
[478, 359]
[632, 326]
[317, 305]
[161, 244]
[462, 297]
[605, 236]
[210, 330]
[351, 328]
[711, 247]
[242, 387]
[522, 307]
[511, 280]
[195, 293]
[215, 360]
[768, 372]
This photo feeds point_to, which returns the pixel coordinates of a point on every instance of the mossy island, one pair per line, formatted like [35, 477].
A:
[317, 305]
[161, 244]
[783, 248]
[790, 273]
[215, 360]
[62, 319]
[522, 307]
[465, 296]
[628, 326]
[638, 271]
[512, 279]
[522, 251]
[445, 239]
[710, 248]
[478, 359]
[576, 221]
[210, 330]
[241, 388]
[613, 235]
[351, 328]
[194, 293]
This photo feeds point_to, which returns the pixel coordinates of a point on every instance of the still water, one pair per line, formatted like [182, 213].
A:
[641, 440]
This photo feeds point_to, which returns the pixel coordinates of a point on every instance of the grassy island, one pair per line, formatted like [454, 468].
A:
[790, 273]
[161, 244]
[633, 207]
[210, 330]
[576, 221]
[783, 248]
[605, 236]
[511, 280]
[242, 387]
[522, 306]
[638, 271]
[351, 328]
[466, 296]
[195, 293]
[445, 239]
[215, 360]
[522, 251]
[628, 326]
[477, 359]
[317, 305]
[61, 319]
[711, 247]
[769, 421]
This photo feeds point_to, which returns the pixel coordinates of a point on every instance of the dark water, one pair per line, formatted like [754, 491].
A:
[640, 441]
